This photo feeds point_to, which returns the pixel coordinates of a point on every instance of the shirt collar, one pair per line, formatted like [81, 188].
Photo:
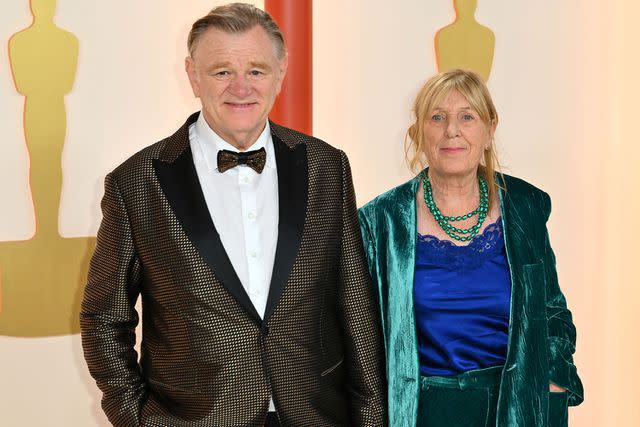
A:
[210, 143]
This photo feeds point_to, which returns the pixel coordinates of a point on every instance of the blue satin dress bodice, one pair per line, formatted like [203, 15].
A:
[461, 302]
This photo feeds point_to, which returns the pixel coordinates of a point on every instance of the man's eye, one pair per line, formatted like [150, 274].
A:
[222, 73]
[256, 73]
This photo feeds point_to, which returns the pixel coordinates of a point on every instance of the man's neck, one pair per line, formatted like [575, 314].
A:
[241, 141]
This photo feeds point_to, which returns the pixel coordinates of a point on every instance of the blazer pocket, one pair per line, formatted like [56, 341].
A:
[189, 405]
[332, 368]
[533, 273]
[535, 290]
[170, 387]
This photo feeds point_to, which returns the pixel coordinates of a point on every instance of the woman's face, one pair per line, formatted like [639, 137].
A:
[455, 137]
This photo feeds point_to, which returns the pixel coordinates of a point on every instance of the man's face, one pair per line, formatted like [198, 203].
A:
[237, 78]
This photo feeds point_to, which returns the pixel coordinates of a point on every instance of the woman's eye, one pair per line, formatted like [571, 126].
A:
[467, 117]
[437, 117]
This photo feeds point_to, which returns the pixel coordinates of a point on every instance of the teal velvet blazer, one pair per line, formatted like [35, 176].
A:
[542, 336]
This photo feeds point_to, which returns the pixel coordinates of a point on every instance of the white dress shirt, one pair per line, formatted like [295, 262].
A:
[243, 205]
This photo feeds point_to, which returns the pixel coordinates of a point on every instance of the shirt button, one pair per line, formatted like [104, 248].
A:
[253, 254]
[251, 215]
[245, 180]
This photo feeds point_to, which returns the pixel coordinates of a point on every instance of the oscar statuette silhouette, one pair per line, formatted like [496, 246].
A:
[42, 279]
[465, 43]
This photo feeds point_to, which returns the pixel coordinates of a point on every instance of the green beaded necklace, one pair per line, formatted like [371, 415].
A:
[460, 234]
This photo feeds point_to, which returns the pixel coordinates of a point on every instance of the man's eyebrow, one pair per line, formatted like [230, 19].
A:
[262, 65]
[219, 65]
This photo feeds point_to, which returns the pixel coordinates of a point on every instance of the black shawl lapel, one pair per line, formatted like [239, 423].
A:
[179, 181]
[291, 161]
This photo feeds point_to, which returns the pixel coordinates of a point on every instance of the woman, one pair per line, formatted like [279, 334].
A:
[477, 331]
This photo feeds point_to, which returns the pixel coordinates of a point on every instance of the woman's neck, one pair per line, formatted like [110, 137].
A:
[455, 194]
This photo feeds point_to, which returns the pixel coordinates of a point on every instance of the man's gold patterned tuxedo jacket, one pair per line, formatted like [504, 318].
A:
[207, 358]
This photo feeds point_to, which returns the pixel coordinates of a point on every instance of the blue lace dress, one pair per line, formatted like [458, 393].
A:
[461, 302]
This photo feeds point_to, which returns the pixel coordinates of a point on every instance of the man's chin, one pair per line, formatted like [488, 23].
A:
[242, 119]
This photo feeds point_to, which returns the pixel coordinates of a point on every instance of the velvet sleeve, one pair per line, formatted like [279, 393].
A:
[562, 331]
[372, 262]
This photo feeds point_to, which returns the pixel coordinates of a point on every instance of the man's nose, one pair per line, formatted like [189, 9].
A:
[240, 85]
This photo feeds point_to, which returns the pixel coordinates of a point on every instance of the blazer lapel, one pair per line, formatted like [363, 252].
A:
[291, 163]
[515, 218]
[179, 181]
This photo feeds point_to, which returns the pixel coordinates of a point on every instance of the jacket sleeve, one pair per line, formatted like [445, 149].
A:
[372, 262]
[562, 332]
[108, 317]
[364, 354]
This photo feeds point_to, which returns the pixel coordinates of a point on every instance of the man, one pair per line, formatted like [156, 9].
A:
[241, 236]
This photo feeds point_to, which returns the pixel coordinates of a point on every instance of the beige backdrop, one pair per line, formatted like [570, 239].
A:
[565, 82]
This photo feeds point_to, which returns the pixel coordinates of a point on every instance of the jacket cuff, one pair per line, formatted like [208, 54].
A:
[562, 371]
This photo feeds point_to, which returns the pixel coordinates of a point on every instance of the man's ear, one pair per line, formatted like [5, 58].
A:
[190, 68]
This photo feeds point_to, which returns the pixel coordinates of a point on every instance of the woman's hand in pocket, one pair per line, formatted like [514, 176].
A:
[556, 389]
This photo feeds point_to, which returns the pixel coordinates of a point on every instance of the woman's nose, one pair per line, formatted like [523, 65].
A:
[453, 128]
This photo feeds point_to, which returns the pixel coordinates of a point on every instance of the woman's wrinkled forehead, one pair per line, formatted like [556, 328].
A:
[438, 98]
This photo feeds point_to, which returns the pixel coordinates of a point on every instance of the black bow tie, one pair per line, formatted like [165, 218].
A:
[230, 159]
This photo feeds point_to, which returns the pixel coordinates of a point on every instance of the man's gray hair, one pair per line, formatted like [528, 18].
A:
[237, 18]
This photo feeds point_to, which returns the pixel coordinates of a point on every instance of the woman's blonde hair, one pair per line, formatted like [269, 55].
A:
[433, 92]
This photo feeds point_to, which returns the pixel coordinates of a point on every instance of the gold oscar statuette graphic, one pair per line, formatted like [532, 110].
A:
[465, 44]
[42, 279]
